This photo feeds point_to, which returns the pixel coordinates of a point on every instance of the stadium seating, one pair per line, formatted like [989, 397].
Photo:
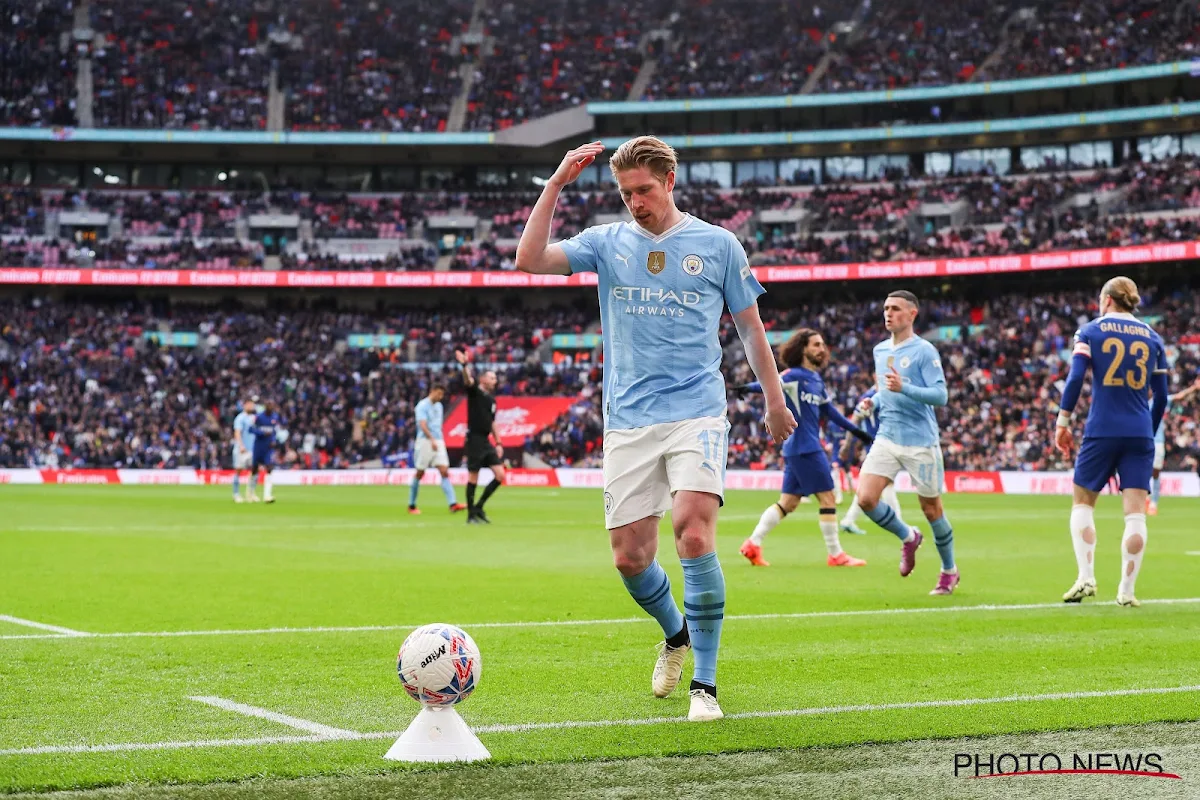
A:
[360, 65]
[83, 386]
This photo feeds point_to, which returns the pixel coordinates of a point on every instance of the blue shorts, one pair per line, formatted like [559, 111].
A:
[262, 458]
[807, 474]
[1129, 458]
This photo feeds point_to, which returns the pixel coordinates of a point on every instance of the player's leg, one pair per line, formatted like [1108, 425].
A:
[636, 496]
[1094, 467]
[696, 452]
[924, 467]
[443, 469]
[415, 486]
[497, 481]
[849, 523]
[694, 515]
[1160, 458]
[237, 476]
[255, 477]
[879, 470]
[835, 473]
[752, 547]
[1134, 468]
[268, 496]
[827, 521]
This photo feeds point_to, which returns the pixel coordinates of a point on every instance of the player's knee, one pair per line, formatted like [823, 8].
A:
[932, 508]
[788, 503]
[866, 502]
[632, 561]
[1134, 544]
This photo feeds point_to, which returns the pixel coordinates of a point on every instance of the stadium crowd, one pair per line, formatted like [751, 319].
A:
[83, 384]
[359, 64]
[838, 223]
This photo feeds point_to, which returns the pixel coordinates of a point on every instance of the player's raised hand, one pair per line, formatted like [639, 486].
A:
[1064, 440]
[893, 381]
[780, 423]
[460, 356]
[575, 162]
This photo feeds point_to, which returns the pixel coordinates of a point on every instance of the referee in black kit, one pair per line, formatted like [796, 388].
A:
[481, 430]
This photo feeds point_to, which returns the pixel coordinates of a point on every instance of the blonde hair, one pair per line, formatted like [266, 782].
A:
[645, 151]
[1124, 293]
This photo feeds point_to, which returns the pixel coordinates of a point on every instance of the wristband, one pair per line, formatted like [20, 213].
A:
[1064, 419]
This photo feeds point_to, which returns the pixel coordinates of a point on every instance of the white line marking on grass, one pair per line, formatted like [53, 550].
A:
[567, 623]
[28, 623]
[830, 710]
[1194, 552]
[607, 723]
[324, 731]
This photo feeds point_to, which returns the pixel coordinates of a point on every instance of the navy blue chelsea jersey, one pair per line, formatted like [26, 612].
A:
[804, 391]
[1124, 353]
[265, 427]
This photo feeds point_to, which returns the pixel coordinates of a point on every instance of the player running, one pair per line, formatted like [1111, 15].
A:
[431, 449]
[267, 426]
[866, 416]
[806, 471]
[1160, 447]
[664, 280]
[481, 431]
[1126, 356]
[912, 385]
[243, 450]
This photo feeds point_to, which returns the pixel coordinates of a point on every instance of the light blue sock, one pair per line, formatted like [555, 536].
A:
[651, 588]
[413, 488]
[704, 605]
[1155, 489]
[448, 490]
[236, 482]
[886, 517]
[943, 537]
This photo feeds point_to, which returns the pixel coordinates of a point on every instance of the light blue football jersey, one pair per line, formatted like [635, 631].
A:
[904, 420]
[661, 300]
[430, 413]
[245, 423]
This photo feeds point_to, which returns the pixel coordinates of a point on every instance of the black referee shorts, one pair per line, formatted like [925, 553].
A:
[480, 453]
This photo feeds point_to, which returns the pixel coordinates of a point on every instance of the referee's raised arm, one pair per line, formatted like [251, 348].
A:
[464, 362]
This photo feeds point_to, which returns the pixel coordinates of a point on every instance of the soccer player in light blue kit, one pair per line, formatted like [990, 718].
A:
[431, 449]
[909, 383]
[1125, 356]
[664, 280]
[243, 451]
[866, 415]
[1160, 447]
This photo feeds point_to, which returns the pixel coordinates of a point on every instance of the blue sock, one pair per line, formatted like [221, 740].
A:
[1155, 489]
[412, 491]
[943, 537]
[704, 604]
[236, 482]
[448, 490]
[651, 588]
[886, 517]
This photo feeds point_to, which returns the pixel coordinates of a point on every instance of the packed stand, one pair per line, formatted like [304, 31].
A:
[37, 67]
[80, 385]
[181, 64]
[365, 65]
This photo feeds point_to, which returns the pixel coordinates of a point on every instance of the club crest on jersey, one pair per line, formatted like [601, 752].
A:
[693, 265]
[904, 362]
[656, 261]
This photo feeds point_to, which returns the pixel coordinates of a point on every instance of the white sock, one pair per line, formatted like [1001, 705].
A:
[1082, 520]
[889, 497]
[1131, 563]
[829, 532]
[248, 486]
[267, 486]
[836, 474]
[770, 518]
[853, 513]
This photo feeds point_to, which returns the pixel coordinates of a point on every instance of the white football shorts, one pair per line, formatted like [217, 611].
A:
[923, 464]
[429, 458]
[242, 458]
[1160, 454]
[645, 467]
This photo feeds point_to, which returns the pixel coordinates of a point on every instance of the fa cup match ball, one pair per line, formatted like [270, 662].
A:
[439, 665]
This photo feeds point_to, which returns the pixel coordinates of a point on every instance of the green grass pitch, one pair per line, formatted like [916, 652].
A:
[857, 660]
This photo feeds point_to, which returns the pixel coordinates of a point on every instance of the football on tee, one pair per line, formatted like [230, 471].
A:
[439, 665]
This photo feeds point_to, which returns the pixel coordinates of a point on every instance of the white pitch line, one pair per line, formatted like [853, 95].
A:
[609, 723]
[316, 728]
[28, 623]
[567, 623]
